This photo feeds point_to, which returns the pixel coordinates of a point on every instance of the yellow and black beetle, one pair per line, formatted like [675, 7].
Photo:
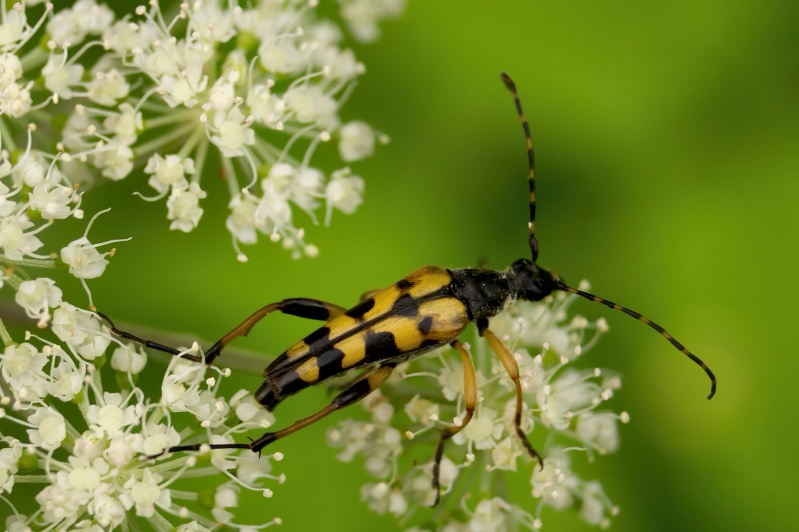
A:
[421, 312]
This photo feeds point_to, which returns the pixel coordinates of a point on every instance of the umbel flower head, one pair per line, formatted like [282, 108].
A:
[87, 96]
[103, 467]
[187, 93]
[564, 415]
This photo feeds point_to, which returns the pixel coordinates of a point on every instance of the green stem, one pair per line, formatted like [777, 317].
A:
[7, 341]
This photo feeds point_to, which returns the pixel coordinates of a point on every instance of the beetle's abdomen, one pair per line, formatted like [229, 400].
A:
[406, 319]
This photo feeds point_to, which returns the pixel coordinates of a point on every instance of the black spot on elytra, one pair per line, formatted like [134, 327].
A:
[321, 334]
[361, 308]
[425, 325]
[405, 305]
[404, 284]
[329, 363]
[380, 346]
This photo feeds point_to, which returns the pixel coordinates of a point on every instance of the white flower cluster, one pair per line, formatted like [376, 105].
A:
[96, 469]
[86, 96]
[562, 417]
[252, 90]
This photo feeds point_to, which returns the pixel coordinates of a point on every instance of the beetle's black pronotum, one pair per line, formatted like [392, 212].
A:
[426, 310]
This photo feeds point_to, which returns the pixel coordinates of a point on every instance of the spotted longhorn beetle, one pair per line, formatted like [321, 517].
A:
[423, 311]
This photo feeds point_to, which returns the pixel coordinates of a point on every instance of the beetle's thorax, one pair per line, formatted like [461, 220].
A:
[487, 292]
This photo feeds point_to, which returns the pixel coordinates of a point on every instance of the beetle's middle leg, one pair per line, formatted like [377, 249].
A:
[303, 307]
[512, 368]
[357, 391]
[469, 401]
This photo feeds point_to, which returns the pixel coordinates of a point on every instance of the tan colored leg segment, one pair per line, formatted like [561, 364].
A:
[302, 307]
[469, 401]
[359, 389]
[512, 368]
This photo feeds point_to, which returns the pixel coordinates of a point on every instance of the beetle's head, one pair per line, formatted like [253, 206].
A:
[532, 283]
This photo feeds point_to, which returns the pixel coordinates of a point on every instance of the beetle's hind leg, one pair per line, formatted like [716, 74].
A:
[357, 391]
[512, 368]
[469, 401]
[302, 307]
[146, 343]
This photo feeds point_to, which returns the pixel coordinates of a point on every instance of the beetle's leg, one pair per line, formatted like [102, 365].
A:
[302, 307]
[146, 343]
[359, 389]
[510, 365]
[469, 400]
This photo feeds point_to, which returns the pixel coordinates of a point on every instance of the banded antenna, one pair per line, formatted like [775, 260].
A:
[559, 284]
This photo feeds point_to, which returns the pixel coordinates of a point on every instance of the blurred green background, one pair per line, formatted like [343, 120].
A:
[667, 157]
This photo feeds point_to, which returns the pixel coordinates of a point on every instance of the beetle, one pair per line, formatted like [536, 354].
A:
[426, 310]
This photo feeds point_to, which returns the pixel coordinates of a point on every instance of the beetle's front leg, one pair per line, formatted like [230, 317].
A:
[512, 368]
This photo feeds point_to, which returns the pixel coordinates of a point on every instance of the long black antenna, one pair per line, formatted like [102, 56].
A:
[506, 79]
[560, 285]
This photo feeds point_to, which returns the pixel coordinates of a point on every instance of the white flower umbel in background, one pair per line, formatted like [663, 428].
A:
[564, 416]
[159, 93]
[260, 83]
[177, 94]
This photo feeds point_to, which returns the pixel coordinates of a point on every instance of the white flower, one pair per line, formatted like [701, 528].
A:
[115, 159]
[599, 430]
[22, 365]
[422, 410]
[112, 415]
[126, 124]
[362, 16]
[310, 104]
[49, 428]
[73, 24]
[241, 222]
[232, 132]
[168, 172]
[357, 141]
[344, 192]
[61, 76]
[381, 498]
[555, 484]
[184, 207]
[482, 431]
[10, 69]
[128, 359]
[53, 201]
[15, 99]
[490, 514]
[66, 380]
[83, 259]
[16, 243]
[80, 330]
[37, 297]
[9, 460]
[266, 108]
[145, 493]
